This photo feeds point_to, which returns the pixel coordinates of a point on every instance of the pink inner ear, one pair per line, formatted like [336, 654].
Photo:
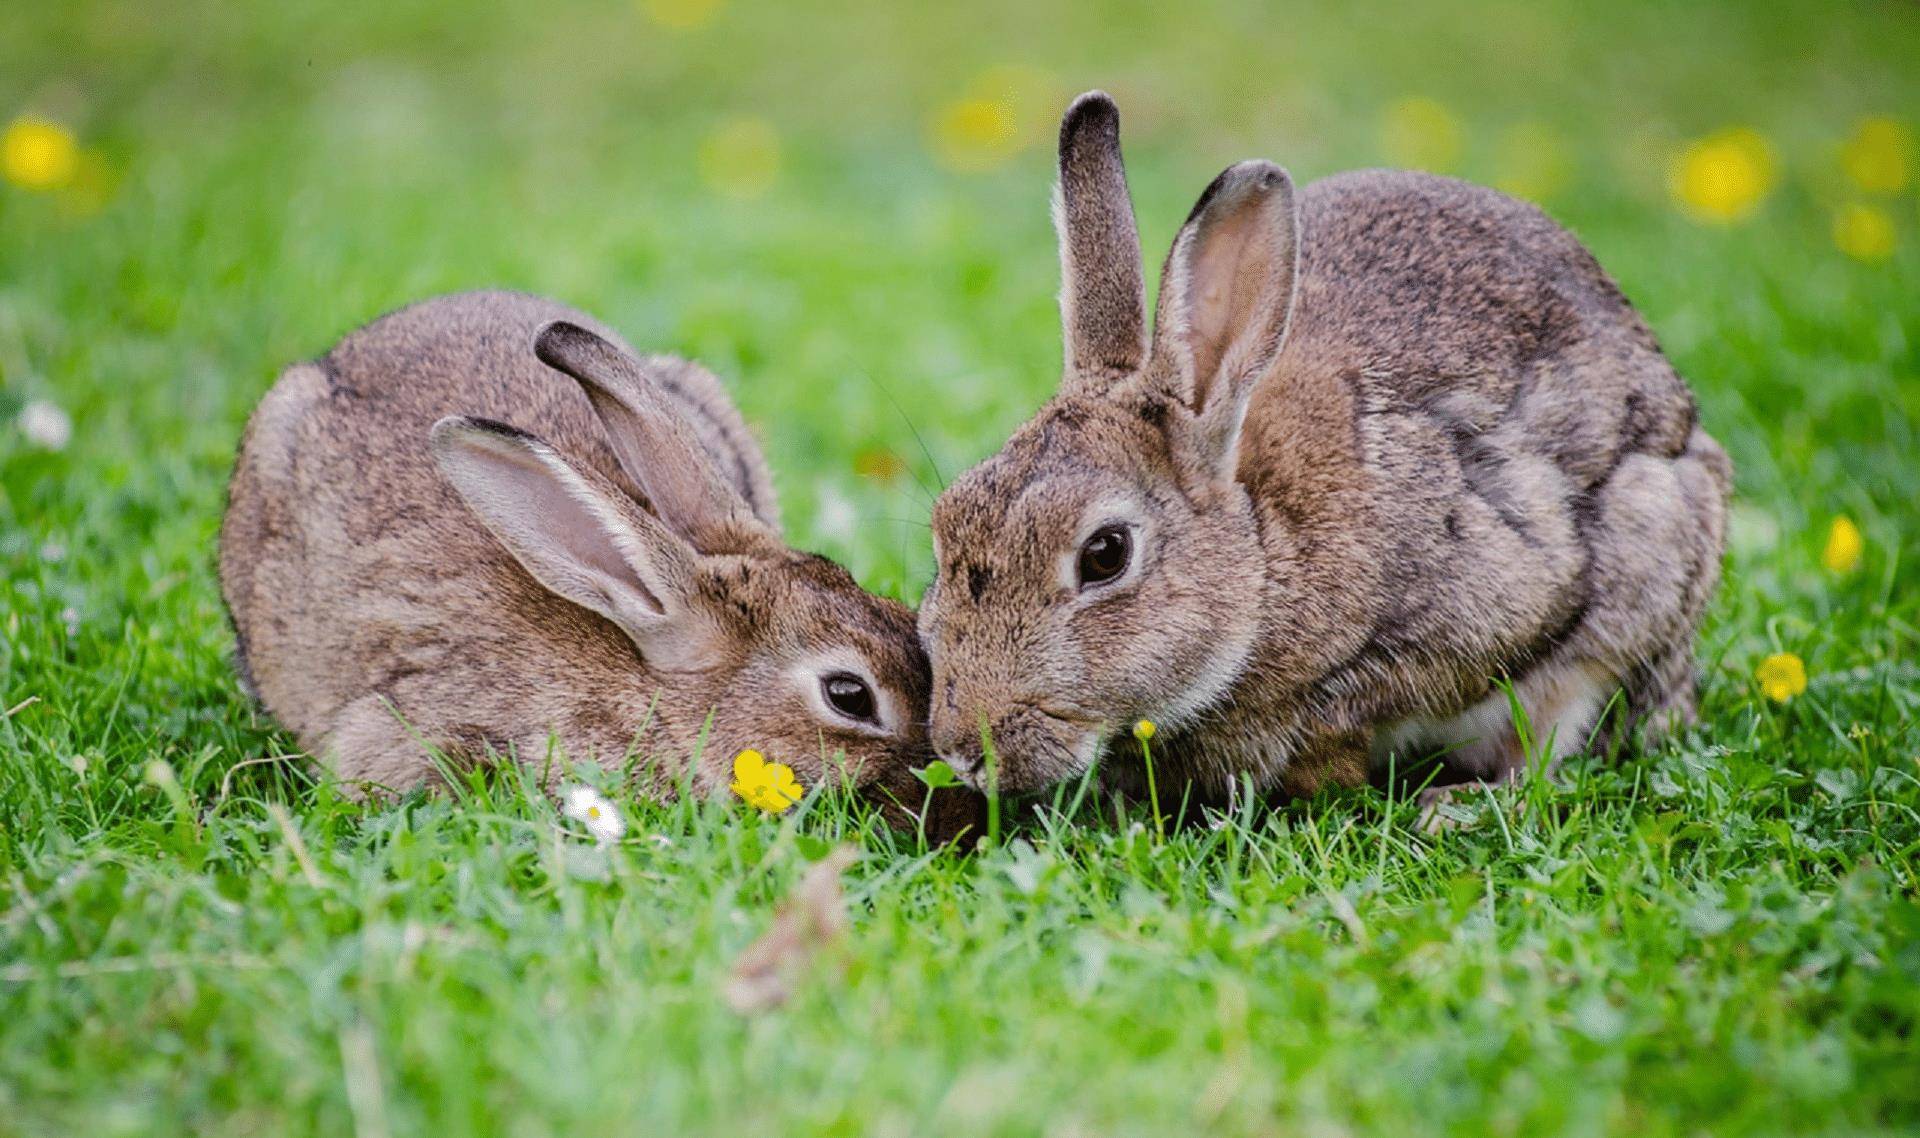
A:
[1228, 274]
[563, 522]
[547, 527]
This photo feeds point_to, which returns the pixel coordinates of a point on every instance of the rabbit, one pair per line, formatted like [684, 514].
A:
[1393, 444]
[483, 522]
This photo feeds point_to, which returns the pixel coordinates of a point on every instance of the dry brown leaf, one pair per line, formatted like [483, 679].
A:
[812, 919]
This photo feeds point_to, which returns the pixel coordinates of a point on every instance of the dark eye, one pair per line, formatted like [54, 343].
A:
[1105, 554]
[849, 695]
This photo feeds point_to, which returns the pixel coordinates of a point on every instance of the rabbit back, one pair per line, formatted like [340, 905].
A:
[360, 586]
[1468, 407]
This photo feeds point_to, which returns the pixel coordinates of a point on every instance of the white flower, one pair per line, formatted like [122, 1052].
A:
[835, 518]
[46, 425]
[591, 809]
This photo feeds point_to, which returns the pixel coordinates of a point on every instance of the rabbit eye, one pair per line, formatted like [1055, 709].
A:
[1105, 555]
[849, 695]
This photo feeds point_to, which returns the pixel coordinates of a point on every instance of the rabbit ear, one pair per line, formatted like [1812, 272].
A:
[655, 446]
[1103, 295]
[580, 538]
[1225, 299]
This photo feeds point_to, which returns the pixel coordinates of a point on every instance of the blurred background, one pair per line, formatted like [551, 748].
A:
[842, 208]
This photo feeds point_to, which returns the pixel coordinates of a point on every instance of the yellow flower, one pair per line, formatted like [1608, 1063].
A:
[741, 157]
[1782, 676]
[879, 462]
[681, 15]
[38, 154]
[1421, 133]
[1724, 177]
[973, 134]
[1878, 155]
[1144, 730]
[1863, 232]
[1844, 547]
[1003, 110]
[770, 786]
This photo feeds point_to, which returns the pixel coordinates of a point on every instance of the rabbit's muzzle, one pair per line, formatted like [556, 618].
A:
[1025, 748]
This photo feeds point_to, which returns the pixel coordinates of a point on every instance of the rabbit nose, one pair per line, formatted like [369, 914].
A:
[961, 748]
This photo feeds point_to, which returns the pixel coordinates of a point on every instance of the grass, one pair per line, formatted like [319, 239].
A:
[1721, 936]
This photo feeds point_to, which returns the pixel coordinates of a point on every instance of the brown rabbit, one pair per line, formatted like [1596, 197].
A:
[606, 572]
[1384, 449]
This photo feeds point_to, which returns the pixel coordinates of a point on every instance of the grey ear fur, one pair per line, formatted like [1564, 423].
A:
[656, 449]
[579, 537]
[1103, 295]
[1226, 298]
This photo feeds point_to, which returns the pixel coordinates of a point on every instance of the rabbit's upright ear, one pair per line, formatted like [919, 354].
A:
[1103, 293]
[656, 448]
[581, 539]
[1225, 299]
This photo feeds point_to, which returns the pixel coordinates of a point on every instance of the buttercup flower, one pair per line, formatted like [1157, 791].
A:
[38, 154]
[591, 809]
[1003, 111]
[1844, 547]
[1878, 155]
[769, 786]
[1723, 177]
[1782, 676]
[1863, 232]
[1144, 730]
[973, 134]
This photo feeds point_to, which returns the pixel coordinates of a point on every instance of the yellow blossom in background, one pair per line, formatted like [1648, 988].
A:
[879, 462]
[681, 15]
[38, 154]
[1863, 232]
[1144, 730]
[1878, 156]
[1530, 162]
[1035, 98]
[1003, 110]
[1844, 548]
[1421, 134]
[970, 135]
[741, 157]
[769, 786]
[1723, 177]
[1782, 676]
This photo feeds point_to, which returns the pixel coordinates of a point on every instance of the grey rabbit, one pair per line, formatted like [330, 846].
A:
[483, 522]
[1391, 441]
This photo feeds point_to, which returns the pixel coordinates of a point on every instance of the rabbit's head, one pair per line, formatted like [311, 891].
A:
[1104, 566]
[733, 640]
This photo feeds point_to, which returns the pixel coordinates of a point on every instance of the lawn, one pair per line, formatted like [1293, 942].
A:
[842, 210]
